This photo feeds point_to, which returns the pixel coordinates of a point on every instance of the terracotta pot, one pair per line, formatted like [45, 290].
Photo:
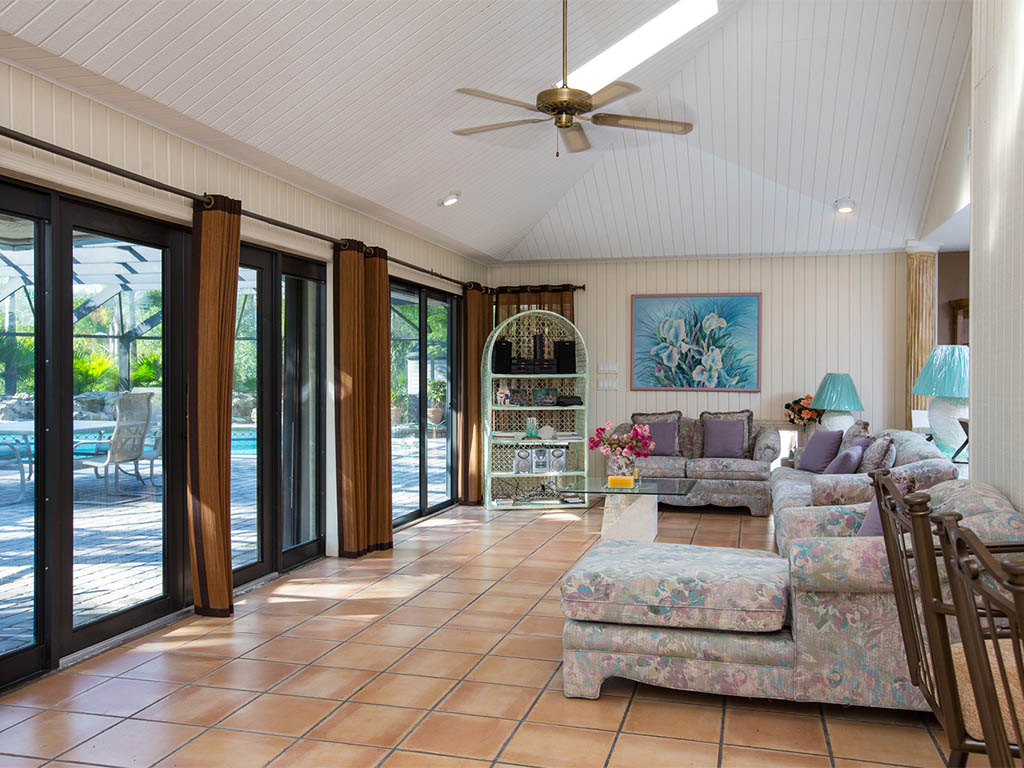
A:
[435, 415]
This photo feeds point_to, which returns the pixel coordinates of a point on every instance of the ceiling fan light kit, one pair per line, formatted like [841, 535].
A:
[565, 105]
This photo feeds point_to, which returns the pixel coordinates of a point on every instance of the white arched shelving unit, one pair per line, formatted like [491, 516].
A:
[504, 425]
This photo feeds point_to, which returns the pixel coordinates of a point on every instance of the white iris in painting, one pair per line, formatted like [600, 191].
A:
[667, 353]
[710, 367]
[712, 321]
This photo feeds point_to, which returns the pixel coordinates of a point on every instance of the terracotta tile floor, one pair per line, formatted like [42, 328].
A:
[441, 653]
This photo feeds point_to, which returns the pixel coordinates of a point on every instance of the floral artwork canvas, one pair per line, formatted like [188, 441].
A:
[701, 341]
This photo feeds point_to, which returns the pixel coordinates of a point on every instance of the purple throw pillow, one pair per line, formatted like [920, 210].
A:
[872, 525]
[821, 449]
[846, 462]
[723, 438]
[665, 435]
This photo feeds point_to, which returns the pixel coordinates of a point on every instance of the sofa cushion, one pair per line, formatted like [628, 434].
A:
[881, 454]
[821, 449]
[727, 469]
[846, 462]
[673, 417]
[912, 446]
[661, 466]
[746, 415]
[678, 585]
[665, 435]
[858, 430]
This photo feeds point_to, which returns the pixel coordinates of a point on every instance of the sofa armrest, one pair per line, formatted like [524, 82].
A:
[841, 489]
[845, 564]
[767, 444]
[842, 520]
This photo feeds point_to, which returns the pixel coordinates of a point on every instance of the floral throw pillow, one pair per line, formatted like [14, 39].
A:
[881, 454]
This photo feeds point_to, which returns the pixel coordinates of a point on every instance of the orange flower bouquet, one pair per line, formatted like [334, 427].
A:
[799, 411]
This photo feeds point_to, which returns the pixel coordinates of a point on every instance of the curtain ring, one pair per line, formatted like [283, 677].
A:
[208, 202]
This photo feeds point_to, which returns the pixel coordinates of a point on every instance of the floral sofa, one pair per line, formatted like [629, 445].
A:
[817, 622]
[911, 455]
[721, 482]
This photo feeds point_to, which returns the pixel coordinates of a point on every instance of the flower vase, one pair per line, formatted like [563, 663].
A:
[621, 466]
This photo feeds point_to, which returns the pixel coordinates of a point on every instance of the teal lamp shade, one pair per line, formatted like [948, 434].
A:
[946, 373]
[837, 393]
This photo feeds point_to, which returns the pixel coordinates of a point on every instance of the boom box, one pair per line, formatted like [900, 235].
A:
[565, 356]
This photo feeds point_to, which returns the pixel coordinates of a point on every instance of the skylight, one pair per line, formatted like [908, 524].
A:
[639, 45]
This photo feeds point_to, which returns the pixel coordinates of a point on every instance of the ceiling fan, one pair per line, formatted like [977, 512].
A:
[566, 105]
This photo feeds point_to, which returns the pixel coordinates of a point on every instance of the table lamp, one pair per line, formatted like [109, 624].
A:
[837, 396]
[946, 379]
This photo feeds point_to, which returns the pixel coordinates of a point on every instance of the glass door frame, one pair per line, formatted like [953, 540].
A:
[37, 204]
[426, 293]
[55, 473]
[293, 266]
[273, 558]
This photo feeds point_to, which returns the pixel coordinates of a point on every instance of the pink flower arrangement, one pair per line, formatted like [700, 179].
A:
[637, 443]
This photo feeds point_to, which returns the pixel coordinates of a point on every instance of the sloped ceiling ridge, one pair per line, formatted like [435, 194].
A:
[795, 104]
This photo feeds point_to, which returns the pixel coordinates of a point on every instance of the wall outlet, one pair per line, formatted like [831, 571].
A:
[607, 384]
[608, 368]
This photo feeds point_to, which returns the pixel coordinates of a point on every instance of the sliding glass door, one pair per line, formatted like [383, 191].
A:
[422, 400]
[277, 445]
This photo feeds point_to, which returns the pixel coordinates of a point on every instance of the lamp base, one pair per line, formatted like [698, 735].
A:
[833, 420]
[943, 413]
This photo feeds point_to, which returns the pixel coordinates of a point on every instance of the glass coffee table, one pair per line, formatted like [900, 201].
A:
[631, 513]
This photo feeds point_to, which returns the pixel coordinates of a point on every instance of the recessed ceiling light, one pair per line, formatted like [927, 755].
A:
[639, 45]
[844, 205]
[449, 200]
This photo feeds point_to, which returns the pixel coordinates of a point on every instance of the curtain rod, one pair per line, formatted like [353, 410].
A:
[78, 157]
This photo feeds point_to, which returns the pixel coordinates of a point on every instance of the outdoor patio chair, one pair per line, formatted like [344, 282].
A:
[126, 444]
[155, 452]
[11, 458]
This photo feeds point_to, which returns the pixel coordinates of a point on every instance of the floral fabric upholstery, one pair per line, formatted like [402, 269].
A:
[691, 438]
[755, 495]
[662, 466]
[762, 648]
[911, 446]
[790, 488]
[727, 469]
[816, 523]
[841, 489]
[881, 454]
[985, 510]
[841, 564]
[767, 444]
[859, 429]
[628, 582]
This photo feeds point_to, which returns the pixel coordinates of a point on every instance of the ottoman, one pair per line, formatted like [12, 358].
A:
[694, 618]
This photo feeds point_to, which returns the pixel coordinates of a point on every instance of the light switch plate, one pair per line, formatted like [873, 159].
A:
[607, 384]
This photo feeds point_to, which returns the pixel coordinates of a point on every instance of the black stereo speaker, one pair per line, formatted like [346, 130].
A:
[502, 359]
[565, 356]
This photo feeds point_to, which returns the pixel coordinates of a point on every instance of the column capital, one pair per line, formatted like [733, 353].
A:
[920, 246]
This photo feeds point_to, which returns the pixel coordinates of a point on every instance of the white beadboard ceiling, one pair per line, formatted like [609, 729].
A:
[795, 103]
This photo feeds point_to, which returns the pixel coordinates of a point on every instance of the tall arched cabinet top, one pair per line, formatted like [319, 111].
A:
[506, 449]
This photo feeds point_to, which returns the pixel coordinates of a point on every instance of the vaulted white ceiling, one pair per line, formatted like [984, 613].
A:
[795, 103]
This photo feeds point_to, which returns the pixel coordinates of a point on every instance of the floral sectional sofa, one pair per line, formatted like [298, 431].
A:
[911, 456]
[719, 482]
[817, 622]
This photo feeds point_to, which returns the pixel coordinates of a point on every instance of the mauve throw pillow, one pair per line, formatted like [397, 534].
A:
[846, 462]
[872, 525]
[723, 438]
[666, 438]
[821, 449]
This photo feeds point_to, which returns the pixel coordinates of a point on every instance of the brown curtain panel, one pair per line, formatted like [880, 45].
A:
[515, 299]
[477, 323]
[216, 240]
[362, 349]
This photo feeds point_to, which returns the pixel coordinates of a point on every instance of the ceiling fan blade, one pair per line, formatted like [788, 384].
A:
[495, 97]
[641, 123]
[575, 139]
[497, 126]
[612, 92]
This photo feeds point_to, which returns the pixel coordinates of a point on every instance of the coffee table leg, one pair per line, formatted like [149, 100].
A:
[630, 516]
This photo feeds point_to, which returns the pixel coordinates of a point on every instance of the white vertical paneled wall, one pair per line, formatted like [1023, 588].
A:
[997, 246]
[819, 314]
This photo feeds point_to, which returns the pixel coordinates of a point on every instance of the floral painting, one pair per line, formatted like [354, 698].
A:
[709, 341]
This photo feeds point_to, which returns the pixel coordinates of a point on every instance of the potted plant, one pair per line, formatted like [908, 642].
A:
[399, 403]
[437, 398]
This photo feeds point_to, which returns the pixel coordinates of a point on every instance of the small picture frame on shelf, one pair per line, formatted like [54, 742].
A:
[519, 397]
[545, 396]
